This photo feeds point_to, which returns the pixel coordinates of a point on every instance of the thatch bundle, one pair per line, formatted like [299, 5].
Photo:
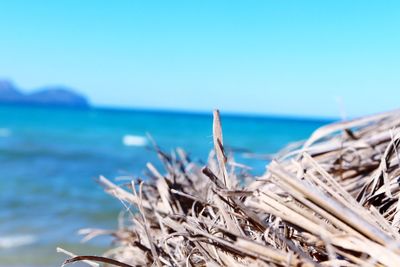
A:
[331, 201]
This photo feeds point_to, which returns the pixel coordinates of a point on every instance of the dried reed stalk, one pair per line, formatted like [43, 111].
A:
[331, 202]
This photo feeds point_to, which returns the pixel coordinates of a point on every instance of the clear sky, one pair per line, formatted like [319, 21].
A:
[275, 57]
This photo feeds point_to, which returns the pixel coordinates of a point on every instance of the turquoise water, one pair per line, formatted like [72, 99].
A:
[49, 159]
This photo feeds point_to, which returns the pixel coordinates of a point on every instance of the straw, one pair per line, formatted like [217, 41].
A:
[331, 202]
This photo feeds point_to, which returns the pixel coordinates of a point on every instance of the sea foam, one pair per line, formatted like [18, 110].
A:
[134, 140]
[16, 241]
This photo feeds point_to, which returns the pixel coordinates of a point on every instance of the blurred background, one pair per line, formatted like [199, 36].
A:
[83, 83]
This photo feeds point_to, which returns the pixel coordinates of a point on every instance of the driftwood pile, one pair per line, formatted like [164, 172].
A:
[331, 201]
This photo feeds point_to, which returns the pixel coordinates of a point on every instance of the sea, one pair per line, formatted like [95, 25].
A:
[50, 159]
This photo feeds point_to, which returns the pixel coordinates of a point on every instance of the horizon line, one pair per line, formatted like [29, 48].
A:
[204, 112]
[182, 111]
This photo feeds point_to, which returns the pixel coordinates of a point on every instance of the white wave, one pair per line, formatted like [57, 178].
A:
[5, 132]
[134, 140]
[16, 241]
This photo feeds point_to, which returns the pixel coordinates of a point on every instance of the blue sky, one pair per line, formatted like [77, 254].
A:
[307, 58]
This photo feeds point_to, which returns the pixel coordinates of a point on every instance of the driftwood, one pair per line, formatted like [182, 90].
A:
[332, 201]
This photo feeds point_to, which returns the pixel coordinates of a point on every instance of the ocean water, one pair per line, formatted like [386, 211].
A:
[50, 158]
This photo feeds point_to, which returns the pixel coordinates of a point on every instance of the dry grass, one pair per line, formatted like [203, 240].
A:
[333, 201]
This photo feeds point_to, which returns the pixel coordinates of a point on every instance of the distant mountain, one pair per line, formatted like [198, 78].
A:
[49, 96]
[8, 92]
